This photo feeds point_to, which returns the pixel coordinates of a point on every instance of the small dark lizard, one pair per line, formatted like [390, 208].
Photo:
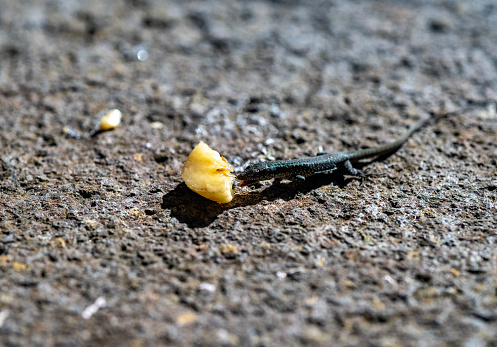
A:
[324, 162]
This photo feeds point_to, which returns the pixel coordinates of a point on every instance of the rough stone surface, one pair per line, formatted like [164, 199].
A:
[102, 244]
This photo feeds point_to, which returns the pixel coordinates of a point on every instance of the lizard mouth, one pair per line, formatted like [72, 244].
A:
[243, 182]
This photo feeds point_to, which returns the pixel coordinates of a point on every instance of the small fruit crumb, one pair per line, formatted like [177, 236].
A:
[19, 267]
[186, 318]
[111, 120]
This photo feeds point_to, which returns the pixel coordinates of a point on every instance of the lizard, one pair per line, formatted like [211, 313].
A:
[301, 168]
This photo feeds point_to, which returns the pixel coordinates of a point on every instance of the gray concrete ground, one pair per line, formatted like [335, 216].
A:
[102, 244]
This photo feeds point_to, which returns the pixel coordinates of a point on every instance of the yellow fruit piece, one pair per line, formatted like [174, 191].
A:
[208, 174]
[110, 120]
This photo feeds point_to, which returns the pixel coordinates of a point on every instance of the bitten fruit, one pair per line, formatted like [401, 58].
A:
[208, 174]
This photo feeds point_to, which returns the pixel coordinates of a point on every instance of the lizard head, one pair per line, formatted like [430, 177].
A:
[254, 173]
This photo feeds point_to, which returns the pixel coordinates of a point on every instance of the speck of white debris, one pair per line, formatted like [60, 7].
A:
[93, 308]
[390, 280]
[142, 55]
[281, 275]
[110, 120]
[3, 317]
[207, 287]
[157, 125]
[148, 145]
[225, 338]
[70, 132]
[269, 141]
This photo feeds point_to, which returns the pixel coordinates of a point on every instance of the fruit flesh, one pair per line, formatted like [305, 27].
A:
[111, 120]
[209, 174]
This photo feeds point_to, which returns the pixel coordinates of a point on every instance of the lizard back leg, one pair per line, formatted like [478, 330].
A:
[352, 170]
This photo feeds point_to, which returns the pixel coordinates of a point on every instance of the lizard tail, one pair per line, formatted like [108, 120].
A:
[391, 147]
